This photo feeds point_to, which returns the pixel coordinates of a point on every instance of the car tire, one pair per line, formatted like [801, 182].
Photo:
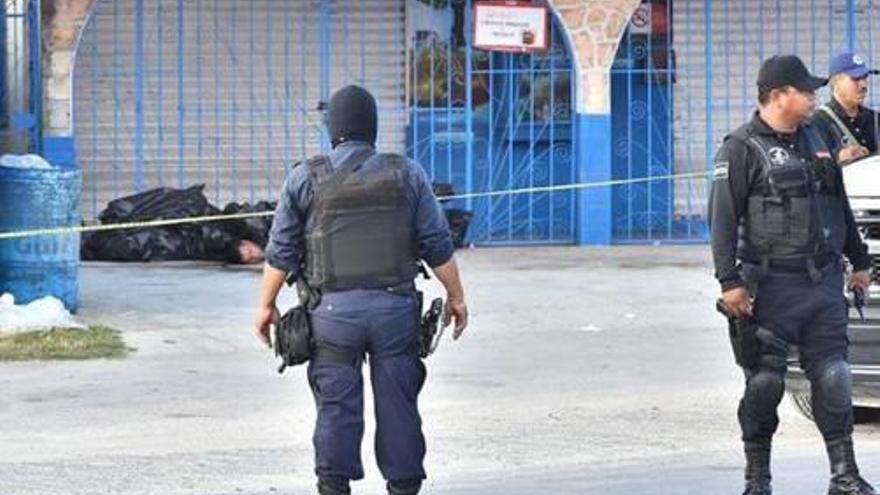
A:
[804, 405]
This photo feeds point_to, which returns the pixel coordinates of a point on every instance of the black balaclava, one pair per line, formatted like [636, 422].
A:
[351, 116]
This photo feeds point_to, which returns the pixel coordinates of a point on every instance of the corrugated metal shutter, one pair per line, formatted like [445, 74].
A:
[229, 90]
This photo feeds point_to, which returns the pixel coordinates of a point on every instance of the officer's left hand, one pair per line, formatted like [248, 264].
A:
[456, 309]
[266, 316]
[860, 280]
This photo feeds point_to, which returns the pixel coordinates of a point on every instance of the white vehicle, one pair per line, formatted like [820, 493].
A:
[862, 180]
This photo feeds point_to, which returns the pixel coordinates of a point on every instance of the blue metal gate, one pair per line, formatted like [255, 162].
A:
[486, 122]
[20, 76]
[642, 79]
[687, 78]
[223, 92]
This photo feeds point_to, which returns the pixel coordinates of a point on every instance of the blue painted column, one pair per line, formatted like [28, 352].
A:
[594, 49]
[593, 162]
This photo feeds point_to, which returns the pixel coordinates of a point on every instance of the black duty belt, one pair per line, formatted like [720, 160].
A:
[407, 287]
[796, 266]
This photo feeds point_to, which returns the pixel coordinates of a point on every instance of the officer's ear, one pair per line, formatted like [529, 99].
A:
[779, 97]
[767, 97]
[833, 81]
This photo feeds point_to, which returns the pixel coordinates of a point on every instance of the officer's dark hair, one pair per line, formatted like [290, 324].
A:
[765, 93]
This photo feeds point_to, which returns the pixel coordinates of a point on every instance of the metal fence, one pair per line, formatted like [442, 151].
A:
[489, 121]
[176, 92]
[223, 92]
[685, 76]
[20, 76]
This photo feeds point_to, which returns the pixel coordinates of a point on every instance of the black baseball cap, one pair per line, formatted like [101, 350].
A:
[780, 71]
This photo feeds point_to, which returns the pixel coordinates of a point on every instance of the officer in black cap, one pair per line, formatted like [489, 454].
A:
[354, 226]
[780, 226]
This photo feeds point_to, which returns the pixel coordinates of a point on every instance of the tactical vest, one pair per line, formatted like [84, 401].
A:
[798, 209]
[360, 229]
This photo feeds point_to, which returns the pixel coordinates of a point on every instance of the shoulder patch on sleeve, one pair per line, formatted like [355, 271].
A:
[722, 170]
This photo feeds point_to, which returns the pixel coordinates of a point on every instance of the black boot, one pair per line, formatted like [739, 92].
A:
[404, 487]
[757, 468]
[333, 485]
[845, 478]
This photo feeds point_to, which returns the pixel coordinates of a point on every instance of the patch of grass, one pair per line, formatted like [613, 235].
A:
[63, 344]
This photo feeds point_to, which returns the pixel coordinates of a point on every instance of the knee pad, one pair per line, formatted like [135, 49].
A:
[833, 383]
[764, 389]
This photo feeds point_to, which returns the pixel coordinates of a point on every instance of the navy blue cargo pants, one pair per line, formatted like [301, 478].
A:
[385, 327]
[794, 309]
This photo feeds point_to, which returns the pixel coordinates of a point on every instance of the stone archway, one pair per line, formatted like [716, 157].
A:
[594, 28]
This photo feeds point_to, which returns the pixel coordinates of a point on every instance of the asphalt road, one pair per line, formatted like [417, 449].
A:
[585, 371]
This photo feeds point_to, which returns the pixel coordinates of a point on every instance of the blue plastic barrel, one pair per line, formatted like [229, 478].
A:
[34, 267]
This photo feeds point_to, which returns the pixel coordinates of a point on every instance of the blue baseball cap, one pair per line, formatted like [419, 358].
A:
[850, 64]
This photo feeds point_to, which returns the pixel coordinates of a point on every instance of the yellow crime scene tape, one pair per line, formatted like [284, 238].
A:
[75, 229]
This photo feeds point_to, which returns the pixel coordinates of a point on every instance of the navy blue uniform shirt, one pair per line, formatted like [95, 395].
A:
[287, 237]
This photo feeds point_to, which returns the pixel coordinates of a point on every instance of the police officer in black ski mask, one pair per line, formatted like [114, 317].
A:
[354, 225]
[781, 226]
